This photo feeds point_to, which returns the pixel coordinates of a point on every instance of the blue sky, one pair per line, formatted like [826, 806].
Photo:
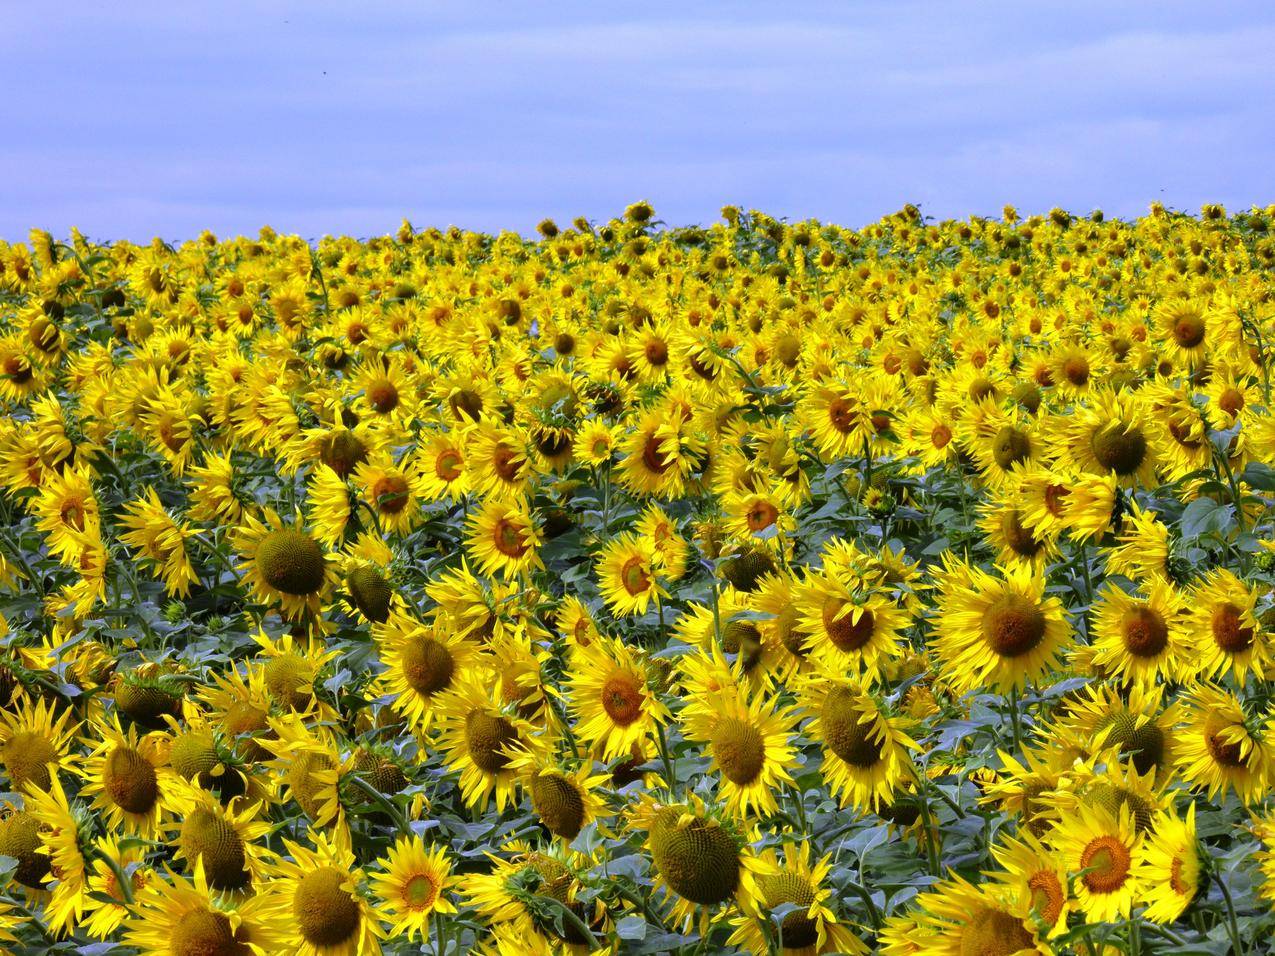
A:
[139, 118]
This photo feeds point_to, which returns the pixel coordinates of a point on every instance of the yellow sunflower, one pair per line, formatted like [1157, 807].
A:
[318, 894]
[283, 565]
[413, 882]
[750, 743]
[128, 779]
[503, 537]
[997, 633]
[612, 698]
[811, 929]
[1104, 853]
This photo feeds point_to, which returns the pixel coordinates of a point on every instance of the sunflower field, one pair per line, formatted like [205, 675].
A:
[765, 587]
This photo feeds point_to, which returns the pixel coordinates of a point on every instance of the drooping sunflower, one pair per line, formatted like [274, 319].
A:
[1105, 852]
[328, 505]
[865, 749]
[612, 698]
[317, 893]
[1136, 723]
[808, 931]
[1221, 747]
[64, 830]
[1170, 870]
[160, 541]
[996, 633]
[750, 742]
[413, 881]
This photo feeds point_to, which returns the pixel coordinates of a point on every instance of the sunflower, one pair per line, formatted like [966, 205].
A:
[64, 829]
[128, 779]
[1226, 636]
[1184, 325]
[308, 762]
[566, 800]
[222, 840]
[1106, 437]
[628, 574]
[865, 749]
[997, 632]
[213, 495]
[1221, 746]
[317, 893]
[671, 549]
[479, 737]
[160, 540]
[533, 896]
[441, 467]
[612, 698]
[1135, 723]
[502, 536]
[176, 916]
[1039, 877]
[283, 565]
[595, 443]
[1170, 869]
[499, 461]
[750, 743]
[957, 918]
[328, 505]
[391, 492]
[809, 930]
[1104, 852]
[413, 883]
[1139, 638]
[1143, 546]
[421, 663]
[700, 859]
[1042, 494]
[104, 909]
[1004, 522]
[34, 743]
[67, 509]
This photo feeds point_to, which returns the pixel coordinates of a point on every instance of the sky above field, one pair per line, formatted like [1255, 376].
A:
[136, 119]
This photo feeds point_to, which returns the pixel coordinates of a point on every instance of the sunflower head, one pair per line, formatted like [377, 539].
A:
[147, 700]
[207, 836]
[20, 839]
[559, 803]
[291, 561]
[370, 592]
[695, 855]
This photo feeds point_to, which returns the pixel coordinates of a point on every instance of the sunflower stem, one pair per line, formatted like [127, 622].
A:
[1014, 719]
[1135, 936]
[385, 803]
[1232, 924]
[121, 879]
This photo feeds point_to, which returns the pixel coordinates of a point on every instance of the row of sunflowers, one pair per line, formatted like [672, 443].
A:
[765, 587]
